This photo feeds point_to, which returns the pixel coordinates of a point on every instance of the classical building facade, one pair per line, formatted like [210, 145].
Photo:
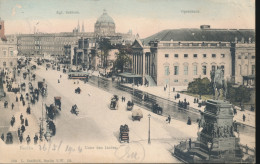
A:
[8, 50]
[178, 56]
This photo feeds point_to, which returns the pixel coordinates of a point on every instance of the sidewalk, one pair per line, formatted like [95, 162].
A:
[159, 91]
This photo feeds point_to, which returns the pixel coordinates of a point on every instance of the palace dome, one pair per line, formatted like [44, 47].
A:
[105, 25]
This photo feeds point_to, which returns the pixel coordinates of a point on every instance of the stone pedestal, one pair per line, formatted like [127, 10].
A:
[217, 129]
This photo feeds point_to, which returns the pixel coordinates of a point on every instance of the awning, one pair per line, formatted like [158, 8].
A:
[129, 75]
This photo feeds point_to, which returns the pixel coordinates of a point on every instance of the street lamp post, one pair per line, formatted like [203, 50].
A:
[149, 139]
[209, 146]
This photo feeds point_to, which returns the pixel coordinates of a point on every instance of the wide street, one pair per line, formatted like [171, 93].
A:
[96, 124]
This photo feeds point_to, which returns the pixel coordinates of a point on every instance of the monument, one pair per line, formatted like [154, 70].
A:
[218, 138]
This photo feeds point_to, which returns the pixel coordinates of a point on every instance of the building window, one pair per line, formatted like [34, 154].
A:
[166, 55]
[166, 70]
[4, 53]
[11, 64]
[11, 53]
[176, 70]
[253, 57]
[185, 70]
[195, 70]
[185, 55]
[4, 64]
[204, 70]
[176, 55]
[204, 55]
[223, 69]
[213, 68]
[240, 69]
[246, 57]
[253, 69]
[195, 55]
[185, 80]
[213, 55]
[222, 55]
[239, 57]
[176, 80]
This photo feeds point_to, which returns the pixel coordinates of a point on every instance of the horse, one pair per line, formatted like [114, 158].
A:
[218, 82]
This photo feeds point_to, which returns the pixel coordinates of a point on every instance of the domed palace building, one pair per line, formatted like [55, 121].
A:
[105, 25]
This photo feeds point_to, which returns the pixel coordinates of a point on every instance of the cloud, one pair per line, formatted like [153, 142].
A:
[14, 9]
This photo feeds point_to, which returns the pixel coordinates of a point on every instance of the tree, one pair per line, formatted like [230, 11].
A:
[122, 58]
[238, 94]
[200, 86]
[105, 47]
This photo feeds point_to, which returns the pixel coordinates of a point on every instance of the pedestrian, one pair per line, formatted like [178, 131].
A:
[26, 122]
[58, 80]
[28, 139]
[12, 106]
[22, 128]
[122, 98]
[22, 121]
[175, 97]
[35, 139]
[190, 143]
[21, 116]
[184, 99]
[3, 137]
[189, 121]
[169, 119]
[23, 103]
[28, 110]
[19, 132]
[164, 88]
[244, 117]
[16, 99]
[21, 138]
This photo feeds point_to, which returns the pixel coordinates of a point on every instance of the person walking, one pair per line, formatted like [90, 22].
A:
[22, 128]
[12, 106]
[3, 137]
[35, 139]
[169, 119]
[28, 139]
[244, 117]
[26, 122]
[19, 132]
[21, 138]
[21, 116]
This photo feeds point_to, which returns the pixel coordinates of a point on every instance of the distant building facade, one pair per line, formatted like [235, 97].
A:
[178, 56]
[8, 50]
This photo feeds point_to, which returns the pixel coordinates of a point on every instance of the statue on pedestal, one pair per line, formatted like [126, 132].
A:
[218, 82]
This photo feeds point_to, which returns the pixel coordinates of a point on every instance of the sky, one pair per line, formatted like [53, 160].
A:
[145, 17]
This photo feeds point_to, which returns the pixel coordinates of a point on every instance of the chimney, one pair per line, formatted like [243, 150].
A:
[204, 27]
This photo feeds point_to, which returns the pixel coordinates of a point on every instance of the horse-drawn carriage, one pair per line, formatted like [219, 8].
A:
[130, 105]
[74, 110]
[137, 114]
[51, 111]
[157, 109]
[33, 67]
[42, 87]
[52, 128]
[124, 133]
[15, 88]
[114, 103]
[57, 102]
[33, 76]
[23, 86]
[77, 90]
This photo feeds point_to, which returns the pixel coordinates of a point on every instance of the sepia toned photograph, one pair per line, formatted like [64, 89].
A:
[127, 81]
